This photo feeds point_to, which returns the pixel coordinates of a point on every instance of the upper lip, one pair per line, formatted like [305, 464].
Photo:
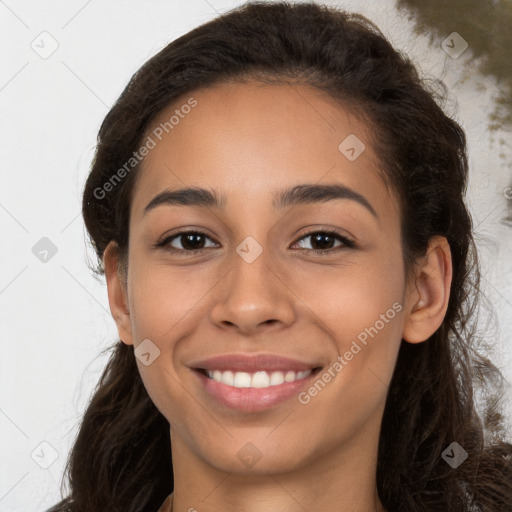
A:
[252, 363]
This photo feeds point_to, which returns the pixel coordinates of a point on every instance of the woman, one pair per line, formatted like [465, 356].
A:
[277, 204]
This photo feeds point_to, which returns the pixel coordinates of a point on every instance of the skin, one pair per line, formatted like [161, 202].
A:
[248, 141]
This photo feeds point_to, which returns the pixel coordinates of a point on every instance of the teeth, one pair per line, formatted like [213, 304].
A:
[289, 377]
[276, 378]
[242, 380]
[259, 379]
[227, 378]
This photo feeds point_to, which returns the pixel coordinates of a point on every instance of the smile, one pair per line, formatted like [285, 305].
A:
[252, 392]
[259, 379]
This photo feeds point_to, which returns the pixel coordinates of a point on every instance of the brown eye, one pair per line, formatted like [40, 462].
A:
[194, 242]
[191, 242]
[323, 241]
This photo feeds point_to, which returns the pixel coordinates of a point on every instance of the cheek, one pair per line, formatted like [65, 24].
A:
[350, 298]
[163, 301]
[362, 312]
[360, 308]
[162, 310]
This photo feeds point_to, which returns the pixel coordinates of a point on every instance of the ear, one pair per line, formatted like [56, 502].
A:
[428, 292]
[117, 292]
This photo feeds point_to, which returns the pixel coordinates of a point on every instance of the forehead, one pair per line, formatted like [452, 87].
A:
[248, 140]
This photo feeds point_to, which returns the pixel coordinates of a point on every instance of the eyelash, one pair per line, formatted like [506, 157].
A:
[347, 242]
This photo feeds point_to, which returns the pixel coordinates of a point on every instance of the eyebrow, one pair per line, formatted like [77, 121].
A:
[300, 194]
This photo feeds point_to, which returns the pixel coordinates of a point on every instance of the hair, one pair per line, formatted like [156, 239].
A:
[121, 459]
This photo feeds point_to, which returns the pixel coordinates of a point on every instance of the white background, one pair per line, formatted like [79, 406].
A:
[54, 316]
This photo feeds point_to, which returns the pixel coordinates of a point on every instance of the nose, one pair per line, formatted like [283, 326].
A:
[253, 296]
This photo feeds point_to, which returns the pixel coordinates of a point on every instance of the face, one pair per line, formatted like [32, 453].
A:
[318, 281]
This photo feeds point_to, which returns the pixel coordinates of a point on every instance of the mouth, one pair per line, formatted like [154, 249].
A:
[251, 392]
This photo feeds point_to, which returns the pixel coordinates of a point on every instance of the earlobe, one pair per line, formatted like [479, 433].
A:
[429, 292]
[117, 293]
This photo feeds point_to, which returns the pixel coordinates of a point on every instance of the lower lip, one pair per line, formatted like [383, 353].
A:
[252, 399]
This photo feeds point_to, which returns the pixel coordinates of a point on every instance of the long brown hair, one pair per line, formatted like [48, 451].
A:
[121, 459]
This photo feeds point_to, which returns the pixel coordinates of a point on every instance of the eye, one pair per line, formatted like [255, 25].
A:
[193, 242]
[321, 241]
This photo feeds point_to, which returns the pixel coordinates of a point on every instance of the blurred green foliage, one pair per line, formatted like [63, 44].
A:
[487, 27]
